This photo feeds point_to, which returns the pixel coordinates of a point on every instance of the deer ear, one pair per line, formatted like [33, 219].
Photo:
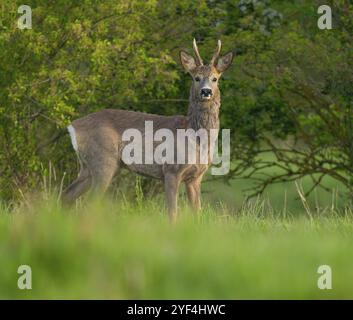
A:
[224, 62]
[187, 61]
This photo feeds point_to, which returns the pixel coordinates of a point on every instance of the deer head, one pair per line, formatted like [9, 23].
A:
[205, 77]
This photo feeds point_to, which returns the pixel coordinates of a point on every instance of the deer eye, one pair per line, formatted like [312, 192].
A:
[197, 79]
[214, 79]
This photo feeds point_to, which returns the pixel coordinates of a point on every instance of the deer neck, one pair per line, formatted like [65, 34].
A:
[204, 114]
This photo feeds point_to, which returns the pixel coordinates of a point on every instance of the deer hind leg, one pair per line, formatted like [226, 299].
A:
[78, 187]
[83, 181]
[171, 184]
[102, 171]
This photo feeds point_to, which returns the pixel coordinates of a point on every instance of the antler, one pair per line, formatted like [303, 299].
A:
[200, 62]
[217, 52]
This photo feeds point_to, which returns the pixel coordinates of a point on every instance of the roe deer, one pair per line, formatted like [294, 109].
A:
[97, 137]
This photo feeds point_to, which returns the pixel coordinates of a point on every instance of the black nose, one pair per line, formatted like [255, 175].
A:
[206, 92]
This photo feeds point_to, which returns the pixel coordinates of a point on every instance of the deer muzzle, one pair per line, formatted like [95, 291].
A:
[206, 93]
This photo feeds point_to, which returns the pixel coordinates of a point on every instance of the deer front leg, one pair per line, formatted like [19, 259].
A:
[193, 191]
[171, 184]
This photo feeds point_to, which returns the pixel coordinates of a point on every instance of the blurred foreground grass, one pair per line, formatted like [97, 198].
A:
[124, 251]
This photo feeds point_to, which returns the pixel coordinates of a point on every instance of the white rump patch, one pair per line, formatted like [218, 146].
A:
[72, 132]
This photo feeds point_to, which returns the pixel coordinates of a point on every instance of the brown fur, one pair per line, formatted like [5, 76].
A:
[100, 145]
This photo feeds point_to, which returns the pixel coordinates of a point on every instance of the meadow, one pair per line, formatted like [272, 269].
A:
[116, 249]
[288, 96]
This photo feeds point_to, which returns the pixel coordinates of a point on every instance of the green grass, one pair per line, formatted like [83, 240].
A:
[124, 251]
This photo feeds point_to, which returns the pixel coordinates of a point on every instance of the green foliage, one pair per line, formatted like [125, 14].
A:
[291, 81]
